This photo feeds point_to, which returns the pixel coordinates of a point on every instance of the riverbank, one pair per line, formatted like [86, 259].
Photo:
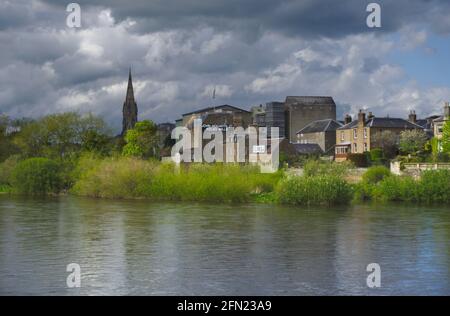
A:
[319, 183]
[4, 189]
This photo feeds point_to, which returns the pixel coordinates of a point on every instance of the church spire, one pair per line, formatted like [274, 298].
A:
[130, 109]
[130, 91]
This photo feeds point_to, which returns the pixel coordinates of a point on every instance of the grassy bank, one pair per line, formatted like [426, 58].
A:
[432, 187]
[131, 178]
[319, 189]
[5, 189]
[134, 178]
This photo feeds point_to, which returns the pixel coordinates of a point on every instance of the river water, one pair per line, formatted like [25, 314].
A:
[145, 248]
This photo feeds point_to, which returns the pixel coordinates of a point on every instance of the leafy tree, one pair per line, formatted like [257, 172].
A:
[7, 147]
[446, 137]
[388, 142]
[63, 135]
[142, 140]
[37, 176]
[413, 141]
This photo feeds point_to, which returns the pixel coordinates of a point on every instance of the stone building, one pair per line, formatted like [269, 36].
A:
[361, 135]
[164, 132]
[275, 117]
[221, 116]
[322, 133]
[259, 115]
[130, 109]
[301, 110]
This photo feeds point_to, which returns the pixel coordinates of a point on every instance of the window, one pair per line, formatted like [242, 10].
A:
[365, 133]
[342, 136]
[355, 147]
[365, 147]
[355, 133]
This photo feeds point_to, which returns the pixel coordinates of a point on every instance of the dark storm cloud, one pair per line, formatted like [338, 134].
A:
[329, 18]
[253, 50]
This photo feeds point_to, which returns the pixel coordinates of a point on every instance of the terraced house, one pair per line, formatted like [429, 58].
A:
[363, 134]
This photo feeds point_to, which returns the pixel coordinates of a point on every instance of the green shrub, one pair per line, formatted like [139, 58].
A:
[5, 188]
[135, 178]
[375, 174]
[376, 154]
[6, 169]
[376, 157]
[359, 160]
[314, 190]
[111, 178]
[432, 187]
[435, 186]
[37, 176]
[395, 188]
[363, 191]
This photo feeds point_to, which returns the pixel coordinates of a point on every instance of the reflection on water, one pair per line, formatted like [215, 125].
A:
[144, 248]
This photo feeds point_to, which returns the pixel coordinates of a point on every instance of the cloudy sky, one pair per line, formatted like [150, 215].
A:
[253, 51]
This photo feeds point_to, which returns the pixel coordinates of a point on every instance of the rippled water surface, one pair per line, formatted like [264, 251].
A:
[143, 248]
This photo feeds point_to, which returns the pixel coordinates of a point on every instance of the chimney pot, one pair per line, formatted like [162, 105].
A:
[412, 117]
[347, 119]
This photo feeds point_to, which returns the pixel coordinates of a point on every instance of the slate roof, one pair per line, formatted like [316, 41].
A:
[309, 100]
[306, 149]
[320, 126]
[383, 122]
[440, 118]
[210, 108]
[427, 123]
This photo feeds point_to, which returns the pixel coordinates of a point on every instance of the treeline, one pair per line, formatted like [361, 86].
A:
[77, 154]
[53, 145]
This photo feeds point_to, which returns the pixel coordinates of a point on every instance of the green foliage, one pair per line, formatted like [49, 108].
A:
[446, 137]
[63, 135]
[412, 142]
[396, 188]
[5, 188]
[376, 154]
[435, 186]
[7, 147]
[314, 190]
[387, 141]
[317, 167]
[141, 141]
[359, 160]
[6, 169]
[376, 157]
[37, 176]
[363, 191]
[135, 178]
[375, 174]
[432, 187]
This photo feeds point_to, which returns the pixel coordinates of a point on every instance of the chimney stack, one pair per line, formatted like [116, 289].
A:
[447, 110]
[347, 119]
[370, 116]
[361, 118]
[412, 117]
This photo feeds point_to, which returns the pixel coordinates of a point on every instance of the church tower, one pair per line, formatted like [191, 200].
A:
[130, 109]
